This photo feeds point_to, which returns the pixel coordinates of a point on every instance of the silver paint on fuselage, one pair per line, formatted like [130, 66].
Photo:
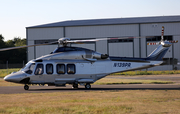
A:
[90, 66]
[86, 72]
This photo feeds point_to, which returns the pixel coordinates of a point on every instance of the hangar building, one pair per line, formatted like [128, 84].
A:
[110, 28]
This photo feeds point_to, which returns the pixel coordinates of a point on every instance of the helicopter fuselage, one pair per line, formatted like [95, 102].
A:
[78, 66]
[61, 72]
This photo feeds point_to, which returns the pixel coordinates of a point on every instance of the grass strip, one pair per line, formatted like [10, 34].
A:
[110, 81]
[4, 72]
[93, 102]
[134, 73]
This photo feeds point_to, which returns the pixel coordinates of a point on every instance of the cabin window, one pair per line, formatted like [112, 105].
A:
[60, 68]
[49, 69]
[39, 69]
[71, 69]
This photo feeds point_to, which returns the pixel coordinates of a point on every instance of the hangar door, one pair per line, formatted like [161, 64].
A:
[44, 50]
[121, 48]
[88, 46]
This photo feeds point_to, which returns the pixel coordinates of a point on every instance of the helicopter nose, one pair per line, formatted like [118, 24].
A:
[14, 78]
[9, 79]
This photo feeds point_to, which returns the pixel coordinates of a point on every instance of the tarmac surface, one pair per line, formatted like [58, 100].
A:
[68, 88]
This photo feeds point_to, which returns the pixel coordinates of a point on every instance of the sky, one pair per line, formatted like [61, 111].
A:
[16, 15]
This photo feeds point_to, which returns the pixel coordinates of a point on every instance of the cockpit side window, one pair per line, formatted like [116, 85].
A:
[31, 69]
[49, 69]
[39, 69]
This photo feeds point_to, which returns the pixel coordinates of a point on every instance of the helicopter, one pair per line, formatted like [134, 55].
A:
[81, 66]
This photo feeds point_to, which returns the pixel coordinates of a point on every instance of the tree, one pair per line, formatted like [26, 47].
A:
[19, 42]
[10, 43]
[13, 56]
[2, 43]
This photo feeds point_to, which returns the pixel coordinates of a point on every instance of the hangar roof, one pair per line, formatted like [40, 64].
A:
[112, 21]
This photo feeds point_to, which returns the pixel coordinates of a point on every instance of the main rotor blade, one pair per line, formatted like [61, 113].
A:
[11, 48]
[94, 40]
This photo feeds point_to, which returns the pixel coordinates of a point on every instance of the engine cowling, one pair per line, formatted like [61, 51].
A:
[100, 56]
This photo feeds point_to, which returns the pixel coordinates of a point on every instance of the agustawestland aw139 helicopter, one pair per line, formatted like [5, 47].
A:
[80, 66]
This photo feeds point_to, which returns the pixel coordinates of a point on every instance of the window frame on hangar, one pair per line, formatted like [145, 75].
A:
[108, 28]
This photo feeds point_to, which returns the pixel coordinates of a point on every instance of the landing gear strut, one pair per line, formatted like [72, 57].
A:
[75, 86]
[26, 87]
[88, 86]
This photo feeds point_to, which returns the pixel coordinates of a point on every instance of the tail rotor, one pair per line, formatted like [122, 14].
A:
[163, 42]
[161, 50]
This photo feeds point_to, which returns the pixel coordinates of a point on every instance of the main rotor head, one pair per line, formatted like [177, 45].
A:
[63, 41]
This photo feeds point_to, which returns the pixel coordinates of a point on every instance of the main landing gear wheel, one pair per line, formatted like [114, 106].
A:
[26, 87]
[88, 86]
[75, 86]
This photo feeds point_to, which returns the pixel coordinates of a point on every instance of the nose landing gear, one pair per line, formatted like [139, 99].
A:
[26, 87]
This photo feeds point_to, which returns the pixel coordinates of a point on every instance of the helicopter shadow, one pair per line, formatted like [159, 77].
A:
[101, 89]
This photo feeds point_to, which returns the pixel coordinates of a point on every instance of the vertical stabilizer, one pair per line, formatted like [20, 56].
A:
[160, 51]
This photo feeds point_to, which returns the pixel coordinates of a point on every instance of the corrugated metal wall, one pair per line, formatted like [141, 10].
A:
[121, 49]
[101, 31]
[42, 34]
[44, 50]
[88, 46]
[126, 49]
[104, 32]
[45, 33]
[102, 47]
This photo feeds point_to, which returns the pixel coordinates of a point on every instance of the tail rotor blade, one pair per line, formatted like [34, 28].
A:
[174, 41]
[153, 43]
